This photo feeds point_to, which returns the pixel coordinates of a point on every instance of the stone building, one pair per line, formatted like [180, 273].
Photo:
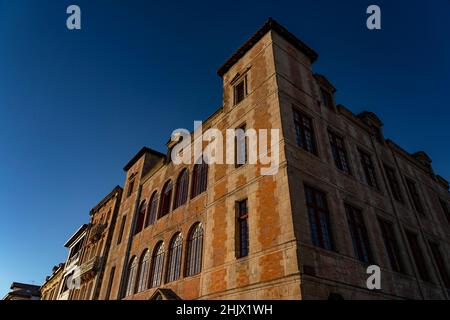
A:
[343, 198]
[50, 289]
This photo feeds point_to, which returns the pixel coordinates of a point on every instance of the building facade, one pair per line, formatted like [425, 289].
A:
[23, 291]
[343, 198]
[50, 289]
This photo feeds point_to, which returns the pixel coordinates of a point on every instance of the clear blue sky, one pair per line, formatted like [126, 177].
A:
[76, 106]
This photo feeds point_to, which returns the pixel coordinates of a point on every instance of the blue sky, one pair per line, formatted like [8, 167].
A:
[75, 106]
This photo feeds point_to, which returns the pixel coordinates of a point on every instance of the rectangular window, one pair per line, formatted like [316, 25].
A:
[304, 132]
[393, 183]
[369, 169]
[391, 245]
[358, 232]
[412, 188]
[242, 226]
[110, 283]
[327, 98]
[240, 90]
[418, 256]
[241, 145]
[319, 218]
[440, 263]
[339, 152]
[130, 187]
[445, 209]
[122, 227]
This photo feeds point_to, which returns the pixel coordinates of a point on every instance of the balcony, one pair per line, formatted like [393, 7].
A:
[96, 232]
[89, 269]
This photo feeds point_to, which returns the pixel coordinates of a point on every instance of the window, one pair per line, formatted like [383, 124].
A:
[369, 169]
[242, 226]
[175, 251]
[417, 255]
[304, 132]
[157, 265]
[152, 210]
[391, 245]
[166, 196]
[393, 183]
[199, 179]
[319, 218]
[122, 227]
[140, 218]
[181, 190]
[131, 277]
[130, 187]
[445, 209]
[440, 263]
[339, 152]
[414, 196]
[240, 90]
[327, 98]
[110, 283]
[240, 154]
[194, 250]
[358, 232]
[144, 268]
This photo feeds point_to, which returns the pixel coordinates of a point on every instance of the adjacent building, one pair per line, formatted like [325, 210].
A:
[23, 291]
[50, 289]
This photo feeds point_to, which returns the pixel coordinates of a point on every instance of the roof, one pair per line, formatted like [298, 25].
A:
[117, 189]
[76, 235]
[270, 24]
[138, 155]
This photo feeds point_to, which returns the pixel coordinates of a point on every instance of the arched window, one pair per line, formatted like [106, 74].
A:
[175, 251]
[157, 265]
[199, 179]
[152, 211]
[140, 218]
[194, 250]
[131, 278]
[144, 268]
[166, 196]
[181, 190]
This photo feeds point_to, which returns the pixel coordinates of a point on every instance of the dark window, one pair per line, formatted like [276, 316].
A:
[369, 169]
[199, 179]
[174, 264]
[304, 132]
[440, 263]
[152, 211]
[110, 283]
[393, 183]
[358, 231]
[130, 187]
[121, 230]
[240, 90]
[391, 245]
[445, 209]
[339, 152]
[194, 250]
[181, 190]
[327, 98]
[140, 218]
[412, 189]
[241, 146]
[157, 265]
[144, 270]
[242, 240]
[131, 277]
[418, 256]
[319, 218]
[166, 196]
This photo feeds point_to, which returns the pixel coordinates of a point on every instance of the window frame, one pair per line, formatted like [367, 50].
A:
[369, 170]
[241, 80]
[339, 153]
[359, 234]
[301, 132]
[194, 250]
[242, 228]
